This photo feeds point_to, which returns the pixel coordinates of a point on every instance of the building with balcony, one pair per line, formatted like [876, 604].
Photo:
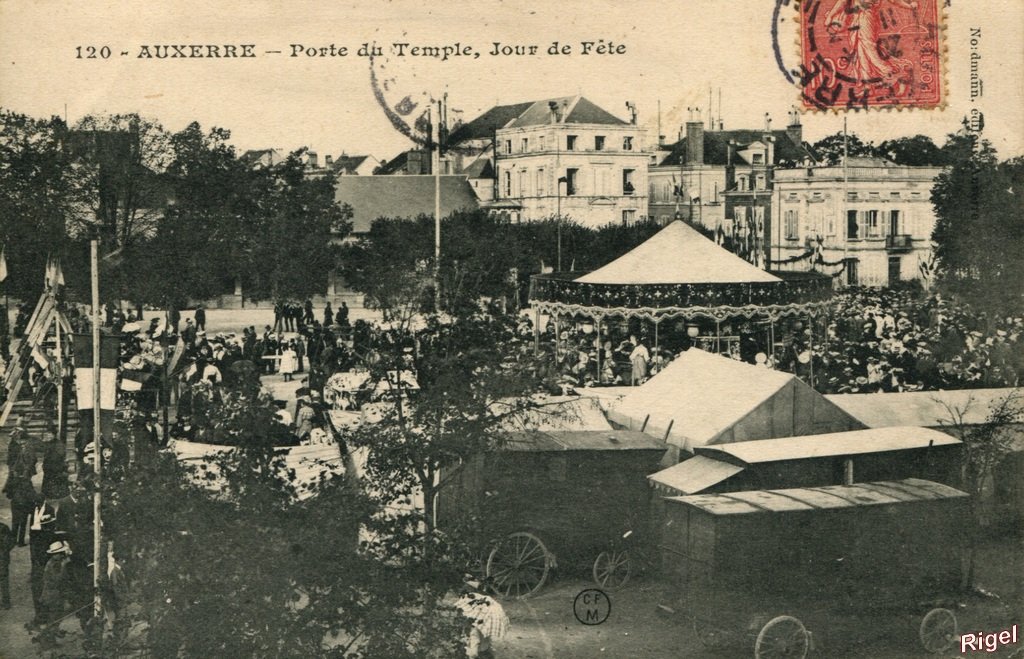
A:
[722, 179]
[568, 157]
[867, 217]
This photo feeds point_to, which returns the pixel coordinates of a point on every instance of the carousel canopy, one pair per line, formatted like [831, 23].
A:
[678, 254]
[701, 399]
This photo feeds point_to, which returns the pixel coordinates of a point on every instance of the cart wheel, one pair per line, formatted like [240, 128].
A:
[783, 637]
[518, 566]
[612, 569]
[938, 630]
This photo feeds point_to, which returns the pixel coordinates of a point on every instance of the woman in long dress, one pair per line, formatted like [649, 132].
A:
[289, 362]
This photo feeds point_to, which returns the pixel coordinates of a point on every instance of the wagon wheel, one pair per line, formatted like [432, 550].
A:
[518, 566]
[612, 569]
[783, 637]
[938, 630]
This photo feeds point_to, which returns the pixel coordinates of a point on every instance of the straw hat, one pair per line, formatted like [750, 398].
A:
[58, 547]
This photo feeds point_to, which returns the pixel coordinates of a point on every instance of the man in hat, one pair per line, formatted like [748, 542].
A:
[40, 535]
[188, 335]
[55, 591]
[200, 318]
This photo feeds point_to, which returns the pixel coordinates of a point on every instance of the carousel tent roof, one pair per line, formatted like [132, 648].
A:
[701, 399]
[678, 254]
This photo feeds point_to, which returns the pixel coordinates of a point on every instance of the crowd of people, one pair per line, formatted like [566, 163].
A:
[55, 523]
[869, 340]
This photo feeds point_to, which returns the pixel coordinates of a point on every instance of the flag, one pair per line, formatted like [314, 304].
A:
[53, 276]
[3, 264]
[110, 349]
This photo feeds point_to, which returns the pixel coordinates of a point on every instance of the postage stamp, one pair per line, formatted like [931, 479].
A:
[861, 54]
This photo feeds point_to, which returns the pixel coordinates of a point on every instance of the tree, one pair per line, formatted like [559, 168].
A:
[979, 228]
[830, 149]
[228, 561]
[127, 156]
[482, 256]
[915, 151]
[41, 193]
[287, 239]
[985, 445]
[193, 252]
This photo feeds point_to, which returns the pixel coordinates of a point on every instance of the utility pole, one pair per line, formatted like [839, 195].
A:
[97, 428]
[844, 220]
[435, 164]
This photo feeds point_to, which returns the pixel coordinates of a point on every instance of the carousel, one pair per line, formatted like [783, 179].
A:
[679, 282]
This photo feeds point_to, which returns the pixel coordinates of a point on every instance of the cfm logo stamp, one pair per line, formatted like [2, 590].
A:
[591, 607]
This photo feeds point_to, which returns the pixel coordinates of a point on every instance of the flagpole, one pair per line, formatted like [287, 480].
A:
[97, 434]
[60, 378]
[435, 163]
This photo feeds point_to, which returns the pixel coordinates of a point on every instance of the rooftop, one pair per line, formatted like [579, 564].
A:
[819, 498]
[716, 147]
[373, 197]
[853, 442]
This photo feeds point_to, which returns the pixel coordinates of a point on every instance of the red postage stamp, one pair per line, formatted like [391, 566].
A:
[871, 54]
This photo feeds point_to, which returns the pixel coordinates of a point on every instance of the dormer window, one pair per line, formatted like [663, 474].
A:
[758, 158]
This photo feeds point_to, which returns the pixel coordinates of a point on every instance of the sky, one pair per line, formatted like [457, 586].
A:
[674, 53]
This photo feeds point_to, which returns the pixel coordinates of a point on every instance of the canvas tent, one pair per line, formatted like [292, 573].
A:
[702, 399]
[678, 254]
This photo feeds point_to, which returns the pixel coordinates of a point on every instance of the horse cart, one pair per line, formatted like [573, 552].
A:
[548, 500]
[777, 571]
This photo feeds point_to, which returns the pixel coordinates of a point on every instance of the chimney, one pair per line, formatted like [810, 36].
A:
[794, 130]
[414, 163]
[328, 161]
[770, 156]
[695, 142]
[553, 112]
[632, 112]
[312, 160]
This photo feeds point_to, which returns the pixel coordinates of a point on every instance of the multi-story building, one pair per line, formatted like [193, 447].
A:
[569, 157]
[722, 179]
[874, 216]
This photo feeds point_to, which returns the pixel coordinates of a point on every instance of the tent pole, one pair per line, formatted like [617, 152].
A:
[558, 338]
[810, 349]
[718, 337]
[656, 335]
[600, 347]
[536, 331]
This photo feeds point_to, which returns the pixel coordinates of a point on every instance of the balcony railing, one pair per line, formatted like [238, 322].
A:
[899, 243]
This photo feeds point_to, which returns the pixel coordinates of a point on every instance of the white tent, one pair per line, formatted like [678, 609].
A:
[701, 399]
[678, 254]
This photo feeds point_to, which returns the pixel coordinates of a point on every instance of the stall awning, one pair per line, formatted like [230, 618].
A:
[692, 476]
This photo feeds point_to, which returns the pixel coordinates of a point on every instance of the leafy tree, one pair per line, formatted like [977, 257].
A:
[979, 229]
[481, 256]
[227, 560]
[41, 191]
[916, 151]
[830, 149]
[127, 156]
[194, 251]
[286, 241]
